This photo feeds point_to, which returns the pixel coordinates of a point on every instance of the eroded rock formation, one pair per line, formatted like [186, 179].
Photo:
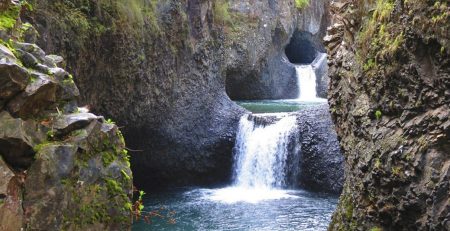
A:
[389, 97]
[60, 168]
[160, 68]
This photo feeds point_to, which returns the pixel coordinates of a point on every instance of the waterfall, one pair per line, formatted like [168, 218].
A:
[261, 152]
[306, 81]
[265, 143]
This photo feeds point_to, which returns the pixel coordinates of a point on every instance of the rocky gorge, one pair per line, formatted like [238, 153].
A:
[168, 73]
[205, 49]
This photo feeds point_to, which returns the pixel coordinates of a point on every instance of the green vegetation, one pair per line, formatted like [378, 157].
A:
[378, 114]
[376, 229]
[8, 18]
[377, 164]
[300, 4]
[84, 20]
[221, 12]
[379, 38]
[109, 121]
[396, 171]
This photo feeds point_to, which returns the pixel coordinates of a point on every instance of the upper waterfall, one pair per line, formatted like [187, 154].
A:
[306, 81]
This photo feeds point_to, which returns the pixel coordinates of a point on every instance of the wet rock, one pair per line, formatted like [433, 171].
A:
[181, 123]
[13, 77]
[53, 60]
[17, 139]
[322, 164]
[28, 59]
[38, 96]
[5, 177]
[47, 147]
[31, 49]
[11, 211]
[68, 123]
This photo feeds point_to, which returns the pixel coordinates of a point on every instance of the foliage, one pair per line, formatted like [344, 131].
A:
[8, 18]
[138, 213]
[379, 39]
[378, 114]
[221, 12]
[300, 4]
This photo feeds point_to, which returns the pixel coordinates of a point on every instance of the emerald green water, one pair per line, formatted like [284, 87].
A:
[212, 209]
[241, 209]
[275, 106]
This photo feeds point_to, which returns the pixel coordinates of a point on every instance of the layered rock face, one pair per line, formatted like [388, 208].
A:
[160, 69]
[60, 168]
[321, 162]
[275, 77]
[313, 158]
[389, 97]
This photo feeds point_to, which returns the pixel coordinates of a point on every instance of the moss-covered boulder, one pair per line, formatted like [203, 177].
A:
[61, 168]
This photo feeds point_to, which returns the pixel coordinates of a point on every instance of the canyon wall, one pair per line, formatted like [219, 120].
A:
[159, 68]
[61, 167]
[389, 95]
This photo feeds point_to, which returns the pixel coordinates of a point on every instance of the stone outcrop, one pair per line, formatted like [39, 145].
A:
[276, 77]
[321, 161]
[60, 168]
[314, 160]
[389, 97]
[160, 69]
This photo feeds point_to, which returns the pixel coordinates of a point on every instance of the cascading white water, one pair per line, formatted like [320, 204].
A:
[261, 153]
[306, 83]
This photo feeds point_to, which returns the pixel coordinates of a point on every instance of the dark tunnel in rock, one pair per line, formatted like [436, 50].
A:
[302, 48]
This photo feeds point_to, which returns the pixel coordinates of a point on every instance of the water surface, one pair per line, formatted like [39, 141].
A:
[215, 209]
[274, 106]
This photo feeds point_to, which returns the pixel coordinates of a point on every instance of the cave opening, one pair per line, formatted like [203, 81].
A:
[303, 48]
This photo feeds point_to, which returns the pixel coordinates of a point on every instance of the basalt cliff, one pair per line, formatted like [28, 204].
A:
[389, 96]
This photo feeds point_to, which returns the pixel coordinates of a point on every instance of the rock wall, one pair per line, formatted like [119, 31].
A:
[313, 157]
[61, 167]
[276, 77]
[159, 69]
[321, 161]
[389, 97]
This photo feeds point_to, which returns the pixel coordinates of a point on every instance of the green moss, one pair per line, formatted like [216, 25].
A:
[377, 164]
[378, 114]
[221, 12]
[125, 175]
[370, 64]
[300, 4]
[348, 211]
[396, 170]
[8, 18]
[108, 158]
[379, 38]
[42, 145]
[113, 186]
[376, 229]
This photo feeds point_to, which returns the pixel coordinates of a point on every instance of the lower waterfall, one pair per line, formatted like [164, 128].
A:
[261, 152]
[265, 144]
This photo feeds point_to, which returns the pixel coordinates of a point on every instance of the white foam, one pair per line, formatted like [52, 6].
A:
[232, 195]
